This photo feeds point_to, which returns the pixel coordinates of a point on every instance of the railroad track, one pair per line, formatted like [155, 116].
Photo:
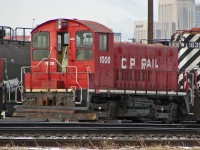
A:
[49, 133]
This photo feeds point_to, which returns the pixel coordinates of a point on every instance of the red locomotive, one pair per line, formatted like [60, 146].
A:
[78, 72]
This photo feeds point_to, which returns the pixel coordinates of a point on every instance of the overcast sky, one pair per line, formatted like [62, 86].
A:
[118, 15]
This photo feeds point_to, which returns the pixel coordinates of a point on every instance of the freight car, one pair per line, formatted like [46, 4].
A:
[79, 72]
[14, 53]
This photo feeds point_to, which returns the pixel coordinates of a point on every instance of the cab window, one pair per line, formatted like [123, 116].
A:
[63, 40]
[38, 55]
[84, 39]
[103, 42]
[84, 54]
[40, 40]
[84, 42]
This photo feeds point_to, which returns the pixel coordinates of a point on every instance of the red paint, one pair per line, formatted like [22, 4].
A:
[123, 66]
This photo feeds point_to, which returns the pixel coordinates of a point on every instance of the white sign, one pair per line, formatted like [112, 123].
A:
[149, 63]
[145, 63]
[105, 59]
[51, 63]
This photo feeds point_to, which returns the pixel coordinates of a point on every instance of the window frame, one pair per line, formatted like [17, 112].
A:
[61, 43]
[91, 53]
[37, 50]
[84, 46]
[34, 38]
[103, 47]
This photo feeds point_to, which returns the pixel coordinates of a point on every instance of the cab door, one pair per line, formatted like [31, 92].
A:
[62, 47]
[104, 61]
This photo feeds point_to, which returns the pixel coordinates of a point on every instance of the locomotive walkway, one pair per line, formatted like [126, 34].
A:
[51, 134]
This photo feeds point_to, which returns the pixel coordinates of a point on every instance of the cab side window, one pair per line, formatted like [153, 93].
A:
[38, 55]
[84, 42]
[40, 40]
[84, 39]
[40, 44]
[103, 42]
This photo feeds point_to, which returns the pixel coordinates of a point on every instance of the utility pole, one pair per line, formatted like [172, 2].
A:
[150, 22]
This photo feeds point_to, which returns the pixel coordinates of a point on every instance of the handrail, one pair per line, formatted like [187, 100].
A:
[23, 69]
[88, 82]
[76, 74]
[65, 54]
[11, 32]
[50, 52]
[24, 33]
[29, 67]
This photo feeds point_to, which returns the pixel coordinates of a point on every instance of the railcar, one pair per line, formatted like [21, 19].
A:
[78, 72]
[14, 53]
[188, 44]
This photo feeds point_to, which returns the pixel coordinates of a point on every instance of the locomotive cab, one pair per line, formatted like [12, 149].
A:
[64, 55]
[68, 43]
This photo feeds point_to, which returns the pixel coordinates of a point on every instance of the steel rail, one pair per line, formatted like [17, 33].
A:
[45, 134]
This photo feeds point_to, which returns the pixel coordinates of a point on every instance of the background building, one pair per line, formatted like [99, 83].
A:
[172, 15]
[197, 15]
[140, 32]
[175, 15]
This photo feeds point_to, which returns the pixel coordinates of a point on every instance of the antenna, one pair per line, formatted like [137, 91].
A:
[33, 22]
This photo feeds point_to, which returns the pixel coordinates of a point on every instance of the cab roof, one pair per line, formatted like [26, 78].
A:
[94, 26]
